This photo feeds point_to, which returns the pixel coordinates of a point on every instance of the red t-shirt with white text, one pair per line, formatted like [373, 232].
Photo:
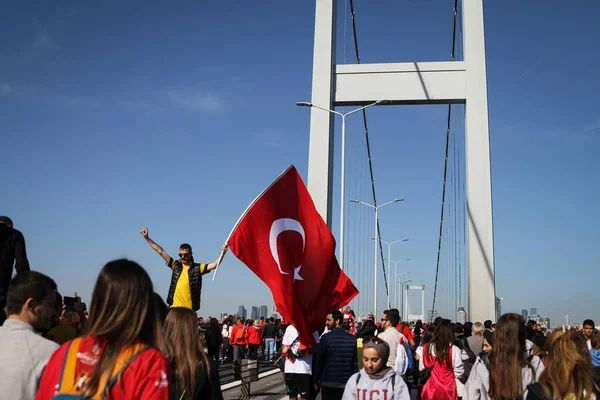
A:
[146, 378]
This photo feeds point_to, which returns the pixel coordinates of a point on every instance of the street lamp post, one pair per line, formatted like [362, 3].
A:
[396, 278]
[402, 287]
[389, 263]
[376, 208]
[342, 197]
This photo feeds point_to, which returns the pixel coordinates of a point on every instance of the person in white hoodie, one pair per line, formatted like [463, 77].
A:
[376, 381]
[510, 369]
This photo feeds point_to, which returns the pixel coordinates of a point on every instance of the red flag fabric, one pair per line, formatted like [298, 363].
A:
[285, 242]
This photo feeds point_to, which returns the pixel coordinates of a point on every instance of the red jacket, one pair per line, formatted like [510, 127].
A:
[239, 335]
[254, 335]
[406, 331]
[146, 378]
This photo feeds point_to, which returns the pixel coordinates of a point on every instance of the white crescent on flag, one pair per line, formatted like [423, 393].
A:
[279, 226]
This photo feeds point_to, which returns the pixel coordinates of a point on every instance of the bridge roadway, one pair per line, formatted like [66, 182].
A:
[270, 385]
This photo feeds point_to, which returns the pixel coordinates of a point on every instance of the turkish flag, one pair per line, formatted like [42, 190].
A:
[285, 242]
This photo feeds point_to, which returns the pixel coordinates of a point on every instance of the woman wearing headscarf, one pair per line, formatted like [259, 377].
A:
[375, 380]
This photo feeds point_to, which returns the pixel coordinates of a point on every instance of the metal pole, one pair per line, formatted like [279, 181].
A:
[342, 194]
[423, 302]
[396, 284]
[389, 273]
[375, 279]
[405, 301]
[402, 289]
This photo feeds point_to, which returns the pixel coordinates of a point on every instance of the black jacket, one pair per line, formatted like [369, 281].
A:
[12, 247]
[337, 358]
[208, 387]
[214, 338]
[195, 282]
[536, 392]
[269, 331]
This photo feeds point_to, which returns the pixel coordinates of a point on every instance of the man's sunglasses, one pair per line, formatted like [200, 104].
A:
[382, 319]
[183, 254]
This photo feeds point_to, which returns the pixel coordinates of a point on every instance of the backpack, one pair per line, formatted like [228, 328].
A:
[67, 385]
[409, 355]
[408, 349]
[469, 362]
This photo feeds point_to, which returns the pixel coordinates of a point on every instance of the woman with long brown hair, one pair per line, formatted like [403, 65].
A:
[509, 370]
[196, 376]
[118, 356]
[569, 373]
[444, 360]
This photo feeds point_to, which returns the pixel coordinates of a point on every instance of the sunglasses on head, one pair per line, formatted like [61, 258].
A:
[372, 339]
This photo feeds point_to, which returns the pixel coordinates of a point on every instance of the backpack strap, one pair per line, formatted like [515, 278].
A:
[357, 378]
[123, 362]
[67, 374]
[393, 383]
[468, 350]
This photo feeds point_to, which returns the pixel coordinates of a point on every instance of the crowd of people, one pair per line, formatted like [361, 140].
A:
[130, 344]
[390, 359]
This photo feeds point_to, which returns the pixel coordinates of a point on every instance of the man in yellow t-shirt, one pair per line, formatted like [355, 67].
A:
[186, 280]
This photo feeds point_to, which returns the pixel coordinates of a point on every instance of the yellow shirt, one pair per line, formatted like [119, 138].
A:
[183, 294]
[359, 351]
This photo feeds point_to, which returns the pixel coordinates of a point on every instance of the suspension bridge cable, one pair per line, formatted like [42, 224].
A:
[461, 186]
[448, 124]
[366, 129]
[365, 281]
[455, 225]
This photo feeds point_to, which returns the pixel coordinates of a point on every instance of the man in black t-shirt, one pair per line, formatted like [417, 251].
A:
[269, 333]
[488, 334]
[12, 248]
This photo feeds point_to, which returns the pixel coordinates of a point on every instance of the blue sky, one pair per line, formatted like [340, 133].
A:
[115, 116]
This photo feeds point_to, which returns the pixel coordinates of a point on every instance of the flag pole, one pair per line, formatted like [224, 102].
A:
[246, 212]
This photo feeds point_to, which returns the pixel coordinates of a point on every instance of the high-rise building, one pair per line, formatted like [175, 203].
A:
[254, 313]
[524, 314]
[242, 312]
[432, 315]
[533, 311]
[223, 316]
[461, 315]
[498, 308]
[274, 313]
[263, 312]
[546, 322]
[567, 320]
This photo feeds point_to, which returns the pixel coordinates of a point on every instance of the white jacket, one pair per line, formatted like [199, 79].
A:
[390, 387]
[478, 385]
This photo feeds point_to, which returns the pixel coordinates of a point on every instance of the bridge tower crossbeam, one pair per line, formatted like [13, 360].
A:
[447, 82]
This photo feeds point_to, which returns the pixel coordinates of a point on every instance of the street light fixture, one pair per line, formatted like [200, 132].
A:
[376, 208]
[389, 262]
[343, 172]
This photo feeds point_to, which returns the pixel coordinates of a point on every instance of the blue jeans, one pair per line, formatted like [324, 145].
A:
[269, 348]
